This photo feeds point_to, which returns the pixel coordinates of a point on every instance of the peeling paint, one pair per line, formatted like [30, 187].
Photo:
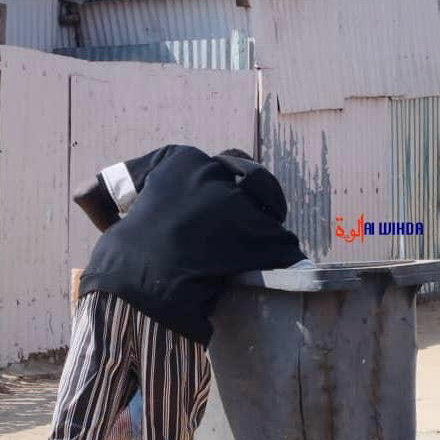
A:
[307, 188]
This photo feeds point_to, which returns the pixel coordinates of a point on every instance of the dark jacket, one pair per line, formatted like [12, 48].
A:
[192, 221]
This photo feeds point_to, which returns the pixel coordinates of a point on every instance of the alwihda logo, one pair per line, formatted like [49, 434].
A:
[365, 228]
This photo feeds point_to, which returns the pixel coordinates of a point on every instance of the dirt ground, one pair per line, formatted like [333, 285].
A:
[27, 398]
[26, 408]
[428, 369]
[26, 404]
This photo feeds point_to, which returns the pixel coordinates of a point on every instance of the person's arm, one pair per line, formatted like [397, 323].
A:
[98, 206]
[115, 188]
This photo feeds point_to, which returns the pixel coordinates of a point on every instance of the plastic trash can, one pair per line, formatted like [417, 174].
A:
[326, 354]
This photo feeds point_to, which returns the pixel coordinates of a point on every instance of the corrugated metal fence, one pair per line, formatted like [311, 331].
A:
[332, 164]
[115, 23]
[329, 50]
[235, 53]
[34, 24]
[415, 127]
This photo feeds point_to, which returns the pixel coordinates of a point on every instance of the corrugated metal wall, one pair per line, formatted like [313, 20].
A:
[140, 22]
[308, 54]
[235, 53]
[391, 47]
[328, 50]
[377, 156]
[332, 163]
[323, 51]
[34, 24]
[416, 179]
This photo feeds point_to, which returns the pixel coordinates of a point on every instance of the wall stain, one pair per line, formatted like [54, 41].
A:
[307, 188]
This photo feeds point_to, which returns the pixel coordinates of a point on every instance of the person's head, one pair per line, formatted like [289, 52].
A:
[235, 152]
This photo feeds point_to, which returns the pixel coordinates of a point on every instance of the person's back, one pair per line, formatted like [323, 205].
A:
[190, 224]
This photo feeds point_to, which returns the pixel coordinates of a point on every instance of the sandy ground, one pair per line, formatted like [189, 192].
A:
[428, 370]
[26, 405]
[26, 408]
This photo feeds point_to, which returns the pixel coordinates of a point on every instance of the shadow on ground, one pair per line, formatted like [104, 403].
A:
[26, 403]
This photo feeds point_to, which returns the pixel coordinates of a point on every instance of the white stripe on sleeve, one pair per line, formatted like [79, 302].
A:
[120, 185]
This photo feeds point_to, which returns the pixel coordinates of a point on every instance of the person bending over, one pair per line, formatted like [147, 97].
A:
[176, 224]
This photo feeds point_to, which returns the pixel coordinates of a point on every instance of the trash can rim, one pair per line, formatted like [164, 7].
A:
[343, 276]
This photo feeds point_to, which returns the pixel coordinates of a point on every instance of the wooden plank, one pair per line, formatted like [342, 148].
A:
[74, 288]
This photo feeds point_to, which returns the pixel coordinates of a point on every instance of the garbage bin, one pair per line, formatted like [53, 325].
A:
[326, 354]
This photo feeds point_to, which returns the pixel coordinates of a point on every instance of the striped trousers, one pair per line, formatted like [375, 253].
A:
[114, 350]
